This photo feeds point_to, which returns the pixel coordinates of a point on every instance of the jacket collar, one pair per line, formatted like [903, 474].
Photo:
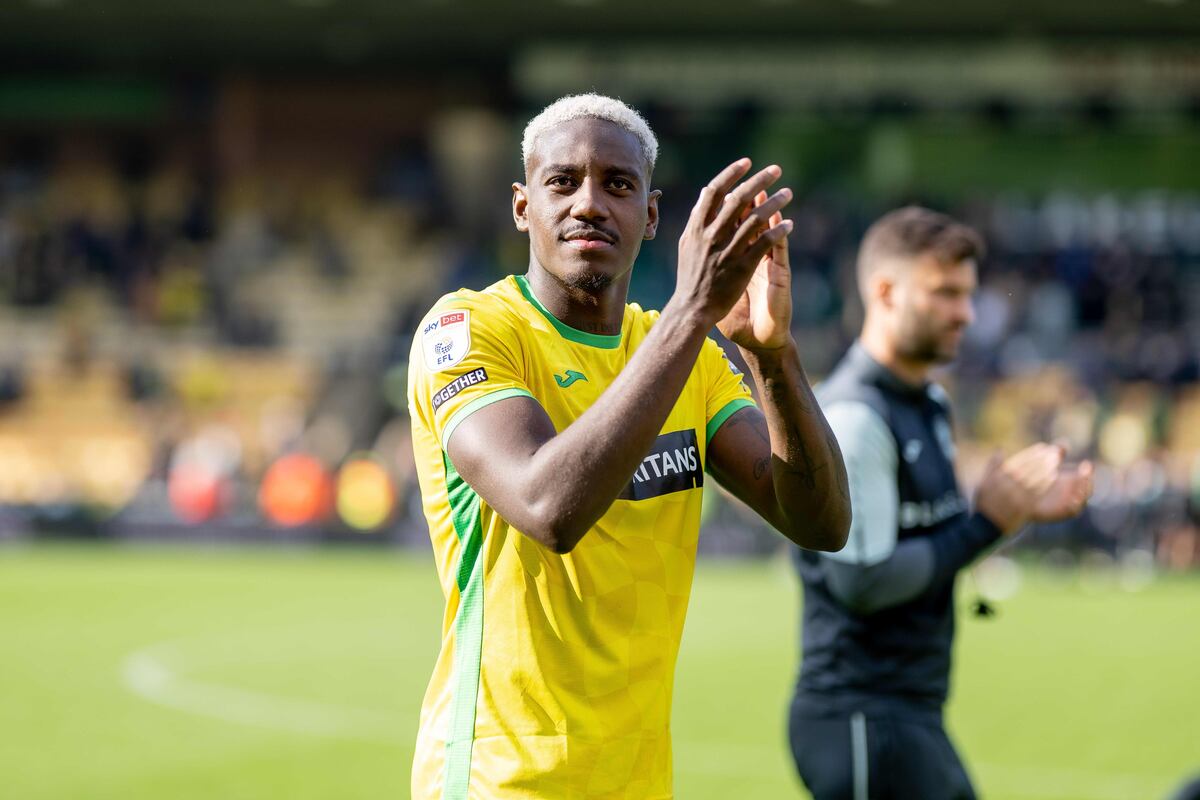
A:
[881, 376]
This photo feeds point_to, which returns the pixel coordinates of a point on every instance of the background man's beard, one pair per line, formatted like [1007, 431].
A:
[925, 347]
[591, 282]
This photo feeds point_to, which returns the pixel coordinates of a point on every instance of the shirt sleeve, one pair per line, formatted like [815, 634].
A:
[872, 572]
[915, 567]
[726, 389]
[463, 358]
[869, 451]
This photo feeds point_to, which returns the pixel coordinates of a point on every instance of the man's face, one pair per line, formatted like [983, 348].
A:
[933, 306]
[587, 204]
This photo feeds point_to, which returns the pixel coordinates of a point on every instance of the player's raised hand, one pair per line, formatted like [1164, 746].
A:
[726, 236]
[1067, 495]
[761, 318]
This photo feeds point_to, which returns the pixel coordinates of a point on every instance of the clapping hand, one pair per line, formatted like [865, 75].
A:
[1067, 495]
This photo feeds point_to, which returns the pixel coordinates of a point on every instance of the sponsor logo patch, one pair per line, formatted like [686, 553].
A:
[466, 380]
[446, 339]
[672, 465]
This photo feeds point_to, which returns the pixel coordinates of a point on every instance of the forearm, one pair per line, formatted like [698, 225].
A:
[961, 544]
[916, 567]
[572, 479]
[809, 476]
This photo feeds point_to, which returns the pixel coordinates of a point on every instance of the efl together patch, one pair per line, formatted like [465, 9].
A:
[472, 378]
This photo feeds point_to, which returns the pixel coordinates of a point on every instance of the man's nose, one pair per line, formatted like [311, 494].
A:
[967, 312]
[589, 201]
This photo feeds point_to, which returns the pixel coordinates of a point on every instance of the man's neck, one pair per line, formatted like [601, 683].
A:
[880, 346]
[592, 312]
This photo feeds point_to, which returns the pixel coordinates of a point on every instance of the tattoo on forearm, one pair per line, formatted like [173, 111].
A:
[800, 462]
[761, 466]
[808, 447]
[784, 394]
[804, 398]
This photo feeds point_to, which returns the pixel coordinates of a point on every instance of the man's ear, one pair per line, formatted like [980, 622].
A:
[883, 287]
[652, 214]
[520, 204]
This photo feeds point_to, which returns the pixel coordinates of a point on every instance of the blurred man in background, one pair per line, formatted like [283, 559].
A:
[866, 719]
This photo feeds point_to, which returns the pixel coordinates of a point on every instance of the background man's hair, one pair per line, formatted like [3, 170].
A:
[910, 232]
[594, 106]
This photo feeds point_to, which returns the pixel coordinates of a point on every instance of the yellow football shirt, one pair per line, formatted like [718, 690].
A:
[555, 673]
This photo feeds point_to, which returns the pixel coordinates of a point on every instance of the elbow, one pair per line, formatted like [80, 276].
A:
[829, 540]
[838, 530]
[558, 541]
[830, 532]
[554, 530]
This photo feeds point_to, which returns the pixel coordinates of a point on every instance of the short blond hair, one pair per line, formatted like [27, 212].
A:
[593, 106]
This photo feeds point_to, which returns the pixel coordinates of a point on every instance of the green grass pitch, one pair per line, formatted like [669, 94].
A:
[222, 674]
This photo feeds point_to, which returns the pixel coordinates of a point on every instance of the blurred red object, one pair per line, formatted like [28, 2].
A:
[197, 494]
[296, 490]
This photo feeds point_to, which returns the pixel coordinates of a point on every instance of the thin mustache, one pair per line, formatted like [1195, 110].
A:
[612, 237]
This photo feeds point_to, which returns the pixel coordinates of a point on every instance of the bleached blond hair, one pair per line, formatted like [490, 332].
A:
[593, 106]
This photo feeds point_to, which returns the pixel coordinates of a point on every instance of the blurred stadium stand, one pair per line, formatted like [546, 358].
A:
[219, 225]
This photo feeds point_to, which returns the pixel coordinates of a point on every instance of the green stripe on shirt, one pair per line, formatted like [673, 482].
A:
[468, 634]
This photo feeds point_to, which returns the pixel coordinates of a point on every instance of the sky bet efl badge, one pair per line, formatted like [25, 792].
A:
[447, 338]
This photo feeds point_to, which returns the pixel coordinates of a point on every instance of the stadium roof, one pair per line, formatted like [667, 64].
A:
[204, 33]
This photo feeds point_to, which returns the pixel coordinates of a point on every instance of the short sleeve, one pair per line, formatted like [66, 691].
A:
[726, 390]
[869, 451]
[464, 357]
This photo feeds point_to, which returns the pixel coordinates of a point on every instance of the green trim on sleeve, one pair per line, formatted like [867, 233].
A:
[727, 411]
[476, 404]
[566, 331]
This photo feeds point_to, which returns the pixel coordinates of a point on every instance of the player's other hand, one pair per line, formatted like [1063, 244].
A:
[1012, 487]
[726, 237]
[761, 319]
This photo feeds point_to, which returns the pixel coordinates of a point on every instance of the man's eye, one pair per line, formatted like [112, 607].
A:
[621, 183]
[561, 180]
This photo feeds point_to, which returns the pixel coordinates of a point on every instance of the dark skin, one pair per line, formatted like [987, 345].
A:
[587, 206]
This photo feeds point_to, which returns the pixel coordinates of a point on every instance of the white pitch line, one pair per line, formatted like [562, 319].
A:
[158, 674]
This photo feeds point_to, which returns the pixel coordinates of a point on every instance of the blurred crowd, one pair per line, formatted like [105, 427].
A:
[190, 350]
